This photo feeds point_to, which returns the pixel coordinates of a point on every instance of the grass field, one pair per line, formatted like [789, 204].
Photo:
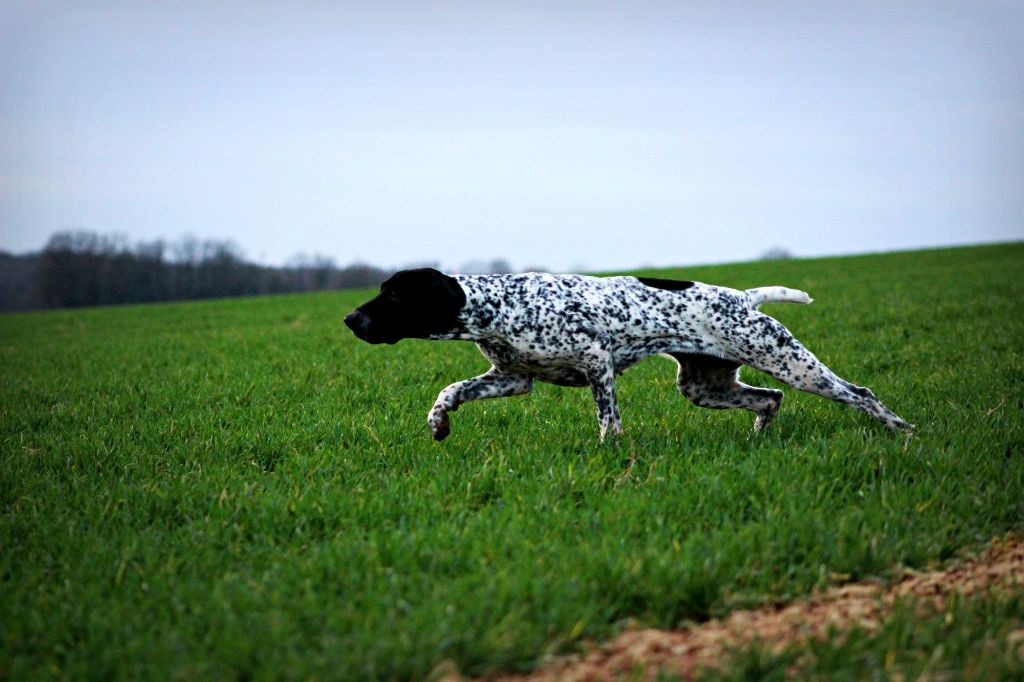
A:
[241, 489]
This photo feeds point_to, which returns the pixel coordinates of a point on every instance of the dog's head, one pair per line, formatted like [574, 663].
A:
[412, 304]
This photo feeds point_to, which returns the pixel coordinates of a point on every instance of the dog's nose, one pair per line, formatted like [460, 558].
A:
[357, 321]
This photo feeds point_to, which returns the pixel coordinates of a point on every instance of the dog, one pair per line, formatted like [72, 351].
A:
[575, 330]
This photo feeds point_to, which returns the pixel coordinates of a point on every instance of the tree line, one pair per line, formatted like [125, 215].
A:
[83, 268]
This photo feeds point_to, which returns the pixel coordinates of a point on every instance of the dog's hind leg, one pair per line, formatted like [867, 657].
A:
[491, 384]
[600, 375]
[714, 383]
[763, 343]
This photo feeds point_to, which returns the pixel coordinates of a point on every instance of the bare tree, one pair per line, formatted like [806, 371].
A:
[78, 268]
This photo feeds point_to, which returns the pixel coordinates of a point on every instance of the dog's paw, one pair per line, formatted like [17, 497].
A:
[902, 427]
[765, 417]
[611, 434]
[440, 427]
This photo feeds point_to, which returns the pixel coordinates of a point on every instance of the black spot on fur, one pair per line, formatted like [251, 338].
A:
[667, 284]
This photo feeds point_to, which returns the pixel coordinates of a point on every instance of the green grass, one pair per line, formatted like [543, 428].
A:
[240, 488]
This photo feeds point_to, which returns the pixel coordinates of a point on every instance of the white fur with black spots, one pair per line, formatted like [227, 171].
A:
[575, 330]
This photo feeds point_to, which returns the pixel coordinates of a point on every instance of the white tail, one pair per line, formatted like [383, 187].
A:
[776, 295]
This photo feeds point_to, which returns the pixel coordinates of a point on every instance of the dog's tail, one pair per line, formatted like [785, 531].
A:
[776, 295]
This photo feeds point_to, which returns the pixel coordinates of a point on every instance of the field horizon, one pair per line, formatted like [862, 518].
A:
[239, 488]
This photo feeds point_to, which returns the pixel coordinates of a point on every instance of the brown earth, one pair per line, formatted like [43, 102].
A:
[685, 652]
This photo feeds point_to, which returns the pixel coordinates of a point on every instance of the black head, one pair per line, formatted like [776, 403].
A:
[412, 304]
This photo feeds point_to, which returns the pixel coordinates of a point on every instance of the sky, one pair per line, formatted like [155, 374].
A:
[555, 135]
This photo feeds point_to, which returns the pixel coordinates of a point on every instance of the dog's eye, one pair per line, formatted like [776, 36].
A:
[393, 297]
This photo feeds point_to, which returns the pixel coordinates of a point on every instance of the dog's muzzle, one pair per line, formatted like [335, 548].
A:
[358, 322]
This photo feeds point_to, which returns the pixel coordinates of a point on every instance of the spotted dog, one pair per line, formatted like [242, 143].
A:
[573, 330]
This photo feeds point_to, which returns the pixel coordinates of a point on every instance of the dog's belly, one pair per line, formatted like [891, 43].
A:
[626, 355]
[561, 376]
[563, 372]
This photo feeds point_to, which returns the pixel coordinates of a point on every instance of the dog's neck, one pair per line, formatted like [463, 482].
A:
[476, 321]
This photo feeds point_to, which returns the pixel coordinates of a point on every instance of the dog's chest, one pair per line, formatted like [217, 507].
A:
[532, 362]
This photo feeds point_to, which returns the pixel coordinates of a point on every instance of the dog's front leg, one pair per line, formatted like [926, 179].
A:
[601, 376]
[491, 384]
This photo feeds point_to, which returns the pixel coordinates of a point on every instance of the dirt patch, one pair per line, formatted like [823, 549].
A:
[685, 652]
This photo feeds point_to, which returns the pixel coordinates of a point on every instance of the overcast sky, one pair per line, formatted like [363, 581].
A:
[567, 135]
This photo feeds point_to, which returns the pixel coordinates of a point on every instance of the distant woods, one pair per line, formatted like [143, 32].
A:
[84, 268]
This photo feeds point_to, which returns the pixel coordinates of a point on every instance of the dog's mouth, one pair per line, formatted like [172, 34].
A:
[361, 325]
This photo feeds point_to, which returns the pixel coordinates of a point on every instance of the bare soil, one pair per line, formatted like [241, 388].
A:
[706, 645]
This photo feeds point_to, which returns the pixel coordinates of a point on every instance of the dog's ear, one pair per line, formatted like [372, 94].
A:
[451, 296]
[446, 300]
